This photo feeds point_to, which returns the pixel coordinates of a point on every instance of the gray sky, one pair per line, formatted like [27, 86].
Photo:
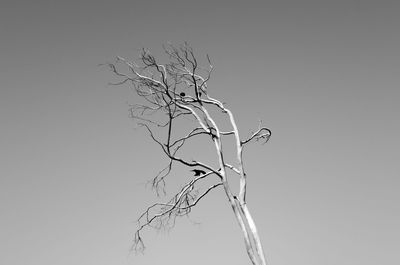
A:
[323, 75]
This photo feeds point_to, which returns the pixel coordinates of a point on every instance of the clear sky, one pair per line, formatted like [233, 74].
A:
[323, 75]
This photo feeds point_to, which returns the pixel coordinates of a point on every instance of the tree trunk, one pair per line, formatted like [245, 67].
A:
[251, 238]
[254, 234]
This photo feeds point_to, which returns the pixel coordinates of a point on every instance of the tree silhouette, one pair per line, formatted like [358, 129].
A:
[175, 92]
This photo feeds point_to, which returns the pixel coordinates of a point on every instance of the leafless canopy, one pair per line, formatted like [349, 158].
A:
[170, 92]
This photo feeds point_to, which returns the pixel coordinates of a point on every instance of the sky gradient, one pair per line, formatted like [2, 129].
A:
[322, 75]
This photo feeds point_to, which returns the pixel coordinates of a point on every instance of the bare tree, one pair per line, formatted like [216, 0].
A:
[171, 93]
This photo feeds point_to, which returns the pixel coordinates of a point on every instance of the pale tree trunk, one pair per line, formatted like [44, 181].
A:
[251, 238]
[239, 206]
[254, 234]
[251, 229]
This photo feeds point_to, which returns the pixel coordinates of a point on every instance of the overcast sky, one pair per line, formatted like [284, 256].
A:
[322, 75]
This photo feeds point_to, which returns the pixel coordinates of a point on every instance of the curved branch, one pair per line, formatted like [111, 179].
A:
[261, 133]
[191, 134]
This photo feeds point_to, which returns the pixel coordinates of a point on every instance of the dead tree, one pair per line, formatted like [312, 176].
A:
[178, 91]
